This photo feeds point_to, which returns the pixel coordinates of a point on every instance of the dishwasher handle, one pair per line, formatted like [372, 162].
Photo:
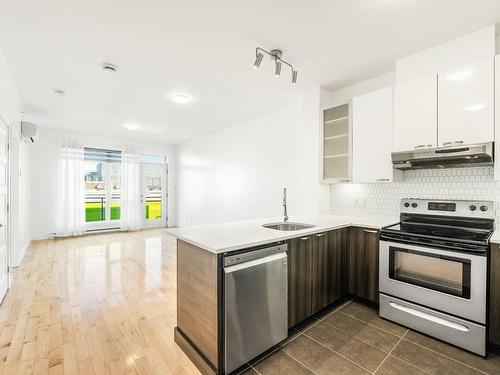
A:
[256, 262]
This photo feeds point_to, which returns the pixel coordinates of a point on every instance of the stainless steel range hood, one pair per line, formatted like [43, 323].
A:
[445, 157]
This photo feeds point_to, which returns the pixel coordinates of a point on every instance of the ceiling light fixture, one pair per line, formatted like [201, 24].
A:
[181, 98]
[258, 60]
[275, 55]
[277, 69]
[131, 126]
[109, 68]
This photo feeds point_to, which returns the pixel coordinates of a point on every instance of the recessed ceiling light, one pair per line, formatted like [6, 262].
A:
[59, 92]
[131, 126]
[181, 98]
[109, 68]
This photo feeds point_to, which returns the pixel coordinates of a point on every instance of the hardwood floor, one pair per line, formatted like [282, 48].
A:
[101, 304]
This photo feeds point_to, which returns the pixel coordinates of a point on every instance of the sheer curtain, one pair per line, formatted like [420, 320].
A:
[131, 207]
[71, 189]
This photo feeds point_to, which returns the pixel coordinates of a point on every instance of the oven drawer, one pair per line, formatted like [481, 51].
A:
[459, 332]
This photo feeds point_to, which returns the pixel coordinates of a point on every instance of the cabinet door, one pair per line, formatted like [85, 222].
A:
[328, 275]
[362, 261]
[371, 269]
[466, 104]
[497, 117]
[494, 331]
[299, 279]
[372, 136]
[415, 114]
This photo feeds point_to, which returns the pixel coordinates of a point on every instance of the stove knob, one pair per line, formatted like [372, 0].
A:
[414, 205]
[406, 204]
[483, 208]
[472, 207]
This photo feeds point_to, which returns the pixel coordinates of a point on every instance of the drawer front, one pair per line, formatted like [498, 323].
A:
[459, 332]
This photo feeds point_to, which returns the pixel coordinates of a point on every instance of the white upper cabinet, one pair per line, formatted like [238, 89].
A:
[466, 104]
[372, 136]
[415, 114]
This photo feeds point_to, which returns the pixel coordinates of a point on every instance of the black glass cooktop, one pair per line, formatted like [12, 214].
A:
[450, 233]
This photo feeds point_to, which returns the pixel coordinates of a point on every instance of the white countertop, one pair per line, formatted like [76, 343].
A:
[495, 238]
[224, 237]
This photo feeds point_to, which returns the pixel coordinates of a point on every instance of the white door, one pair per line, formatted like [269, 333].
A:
[154, 194]
[415, 114]
[4, 196]
[466, 104]
[372, 136]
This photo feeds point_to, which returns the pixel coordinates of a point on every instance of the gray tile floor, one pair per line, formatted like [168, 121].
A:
[353, 339]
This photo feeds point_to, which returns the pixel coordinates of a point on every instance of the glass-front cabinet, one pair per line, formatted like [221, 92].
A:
[336, 154]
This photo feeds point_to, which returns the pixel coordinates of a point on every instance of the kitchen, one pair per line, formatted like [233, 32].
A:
[256, 188]
[432, 172]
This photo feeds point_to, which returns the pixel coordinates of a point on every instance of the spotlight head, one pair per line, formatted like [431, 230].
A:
[294, 76]
[258, 60]
[277, 71]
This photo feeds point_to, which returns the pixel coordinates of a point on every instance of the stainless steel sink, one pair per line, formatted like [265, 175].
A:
[286, 226]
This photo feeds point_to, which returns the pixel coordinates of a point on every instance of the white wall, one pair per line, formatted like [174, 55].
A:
[10, 111]
[238, 173]
[44, 174]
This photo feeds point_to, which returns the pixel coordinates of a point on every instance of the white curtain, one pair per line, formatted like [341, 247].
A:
[71, 189]
[131, 207]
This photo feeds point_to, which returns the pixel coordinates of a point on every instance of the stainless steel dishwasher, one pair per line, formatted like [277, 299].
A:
[255, 303]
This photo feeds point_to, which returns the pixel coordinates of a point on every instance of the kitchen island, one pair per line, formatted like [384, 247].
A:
[318, 264]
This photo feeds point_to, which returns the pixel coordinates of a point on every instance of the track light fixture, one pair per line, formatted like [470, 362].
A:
[275, 55]
[258, 60]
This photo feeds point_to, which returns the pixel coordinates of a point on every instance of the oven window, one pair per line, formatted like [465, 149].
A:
[437, 272]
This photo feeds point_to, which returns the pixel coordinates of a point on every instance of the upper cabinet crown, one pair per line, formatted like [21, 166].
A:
[466, 104]
[453, 107]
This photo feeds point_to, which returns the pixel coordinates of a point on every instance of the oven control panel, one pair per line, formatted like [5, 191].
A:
[483, 209]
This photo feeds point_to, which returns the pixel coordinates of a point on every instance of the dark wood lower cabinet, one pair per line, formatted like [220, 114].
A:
[299, 279]
[362, 263]
[494, 326]
[328, 281]
[323, 267]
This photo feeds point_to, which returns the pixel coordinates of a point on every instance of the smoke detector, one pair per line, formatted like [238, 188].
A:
[109, 68]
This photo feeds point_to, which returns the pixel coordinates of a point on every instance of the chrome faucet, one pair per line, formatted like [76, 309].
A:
[285, 214]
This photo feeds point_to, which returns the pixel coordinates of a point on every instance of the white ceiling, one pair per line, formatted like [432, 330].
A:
[206, 48]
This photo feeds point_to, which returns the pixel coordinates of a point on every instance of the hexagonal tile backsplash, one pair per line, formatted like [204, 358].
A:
[382, 199]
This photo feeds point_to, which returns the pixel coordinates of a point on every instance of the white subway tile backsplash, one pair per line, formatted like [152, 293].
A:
[383, 199]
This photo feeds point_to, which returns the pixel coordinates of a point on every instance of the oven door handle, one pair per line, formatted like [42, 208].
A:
[429, 317]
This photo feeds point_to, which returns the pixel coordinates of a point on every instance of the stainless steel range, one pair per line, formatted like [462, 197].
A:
[433, 269]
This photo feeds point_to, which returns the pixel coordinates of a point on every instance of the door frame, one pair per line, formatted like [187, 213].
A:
[9, 182]
[155, 223]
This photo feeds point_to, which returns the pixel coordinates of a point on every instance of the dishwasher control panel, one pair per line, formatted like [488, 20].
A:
[231, 260]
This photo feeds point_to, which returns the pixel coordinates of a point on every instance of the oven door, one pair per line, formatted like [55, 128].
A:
[448, 281]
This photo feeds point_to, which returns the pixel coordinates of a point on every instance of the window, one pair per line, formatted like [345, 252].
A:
[102, 185]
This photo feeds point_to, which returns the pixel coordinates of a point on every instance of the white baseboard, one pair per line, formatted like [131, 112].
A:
[22, 253]
[38, 237]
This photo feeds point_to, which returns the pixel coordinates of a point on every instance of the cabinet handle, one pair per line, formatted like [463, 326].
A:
[447, 143]
[320, 235]
[420, 146]
[460, 142]
[304, 238]
[344, 180]
[382, 179]
[370, 231]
